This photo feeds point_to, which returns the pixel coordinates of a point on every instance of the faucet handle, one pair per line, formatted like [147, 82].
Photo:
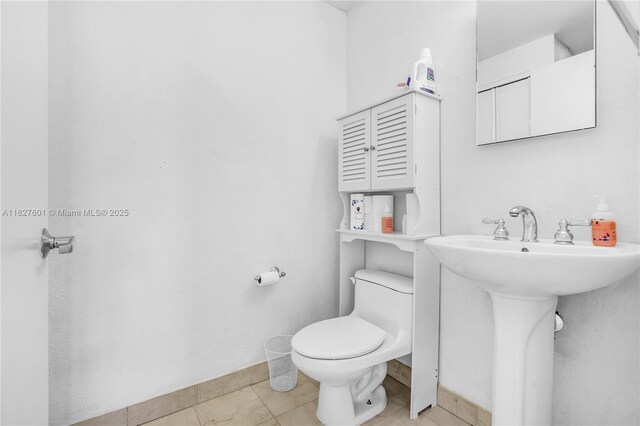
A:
[500, 233]
[492, 221]
[564, 235]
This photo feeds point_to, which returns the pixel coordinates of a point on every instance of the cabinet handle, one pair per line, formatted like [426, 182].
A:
[373, 148]
[366, 149]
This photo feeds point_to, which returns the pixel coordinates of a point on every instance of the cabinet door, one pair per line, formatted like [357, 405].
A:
[513, 111]
[354, 161]
[563, 95]
[392, 165]
[486, 119]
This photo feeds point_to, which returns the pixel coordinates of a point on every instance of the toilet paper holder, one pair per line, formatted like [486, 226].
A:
[272, 269]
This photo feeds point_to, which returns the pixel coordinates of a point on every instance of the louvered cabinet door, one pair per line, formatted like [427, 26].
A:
[392, 144]
[354, 160]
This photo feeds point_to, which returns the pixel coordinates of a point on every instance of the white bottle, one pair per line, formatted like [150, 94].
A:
[423, 76]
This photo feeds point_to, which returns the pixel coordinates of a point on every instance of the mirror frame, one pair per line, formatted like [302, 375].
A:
[595, 71]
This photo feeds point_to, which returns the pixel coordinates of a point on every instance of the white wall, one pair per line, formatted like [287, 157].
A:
[213, 123]
[596, 360]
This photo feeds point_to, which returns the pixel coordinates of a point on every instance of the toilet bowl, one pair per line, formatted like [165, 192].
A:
[348, 355]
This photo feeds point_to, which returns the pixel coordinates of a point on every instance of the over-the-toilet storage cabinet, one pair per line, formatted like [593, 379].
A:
[393, 146]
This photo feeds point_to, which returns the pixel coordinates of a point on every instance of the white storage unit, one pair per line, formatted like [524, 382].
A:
[563, 95]
[552, 98]
[518, 62]
[513, 115]
[504, 112]
[393, 146]
[486, 117]
[355, 159]
[377, 144]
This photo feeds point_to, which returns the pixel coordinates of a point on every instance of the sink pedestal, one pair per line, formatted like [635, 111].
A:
[523, 359]
[524, 280]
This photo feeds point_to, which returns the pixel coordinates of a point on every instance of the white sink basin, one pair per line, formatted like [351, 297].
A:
[546, 269]
[524, 281]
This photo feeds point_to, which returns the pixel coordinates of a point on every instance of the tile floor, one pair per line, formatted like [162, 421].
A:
[259, 405]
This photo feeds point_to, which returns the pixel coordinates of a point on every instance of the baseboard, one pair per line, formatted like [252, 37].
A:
[456, 404]
[400, 372]
[164, 405]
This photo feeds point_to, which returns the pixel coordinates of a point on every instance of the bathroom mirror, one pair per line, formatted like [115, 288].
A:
[536, 68]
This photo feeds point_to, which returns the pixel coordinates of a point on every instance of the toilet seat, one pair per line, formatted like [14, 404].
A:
[338, 338]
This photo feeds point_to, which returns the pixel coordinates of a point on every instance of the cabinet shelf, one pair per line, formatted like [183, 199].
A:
[379, 236]
[404, 242]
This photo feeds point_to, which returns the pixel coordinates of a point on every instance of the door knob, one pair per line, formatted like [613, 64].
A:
[48, 243]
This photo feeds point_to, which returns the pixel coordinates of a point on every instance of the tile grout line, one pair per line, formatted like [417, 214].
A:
[261, 401]
[294, 408]
[198, 415]
[198, 402]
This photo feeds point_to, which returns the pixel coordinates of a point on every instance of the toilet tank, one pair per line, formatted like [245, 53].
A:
[384, 299]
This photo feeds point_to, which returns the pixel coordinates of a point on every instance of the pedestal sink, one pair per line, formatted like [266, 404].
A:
[524, 280]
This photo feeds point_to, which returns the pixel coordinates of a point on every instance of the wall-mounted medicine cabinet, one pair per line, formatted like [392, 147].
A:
[536, 68]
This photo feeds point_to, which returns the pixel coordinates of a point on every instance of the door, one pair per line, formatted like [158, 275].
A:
[513, 111]
[24, 324]
[392, 144]
[354, 161]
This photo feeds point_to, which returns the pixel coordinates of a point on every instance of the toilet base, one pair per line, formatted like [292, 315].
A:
[336, 406]
[366, 411]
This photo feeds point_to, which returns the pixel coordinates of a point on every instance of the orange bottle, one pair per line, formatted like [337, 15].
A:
[603, 225]
[387, 220]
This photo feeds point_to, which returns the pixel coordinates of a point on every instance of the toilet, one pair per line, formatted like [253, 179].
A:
[348, 355]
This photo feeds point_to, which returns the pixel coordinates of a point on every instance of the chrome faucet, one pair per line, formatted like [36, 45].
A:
[529, 222]
[564, 236]
[500, 233]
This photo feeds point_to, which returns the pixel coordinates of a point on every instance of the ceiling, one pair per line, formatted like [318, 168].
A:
[342, 5]
[503, 25]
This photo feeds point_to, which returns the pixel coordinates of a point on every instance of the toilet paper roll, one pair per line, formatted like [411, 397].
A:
[268, 278]
[368, 217]
[413, 213]
[368, 204]
[368, 222]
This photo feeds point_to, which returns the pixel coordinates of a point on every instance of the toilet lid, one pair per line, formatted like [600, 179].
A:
[338, 338]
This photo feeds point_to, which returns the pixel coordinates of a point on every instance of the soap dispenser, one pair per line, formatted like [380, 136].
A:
[603, 225]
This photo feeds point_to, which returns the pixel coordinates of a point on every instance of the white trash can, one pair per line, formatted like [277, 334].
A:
[283, 374]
